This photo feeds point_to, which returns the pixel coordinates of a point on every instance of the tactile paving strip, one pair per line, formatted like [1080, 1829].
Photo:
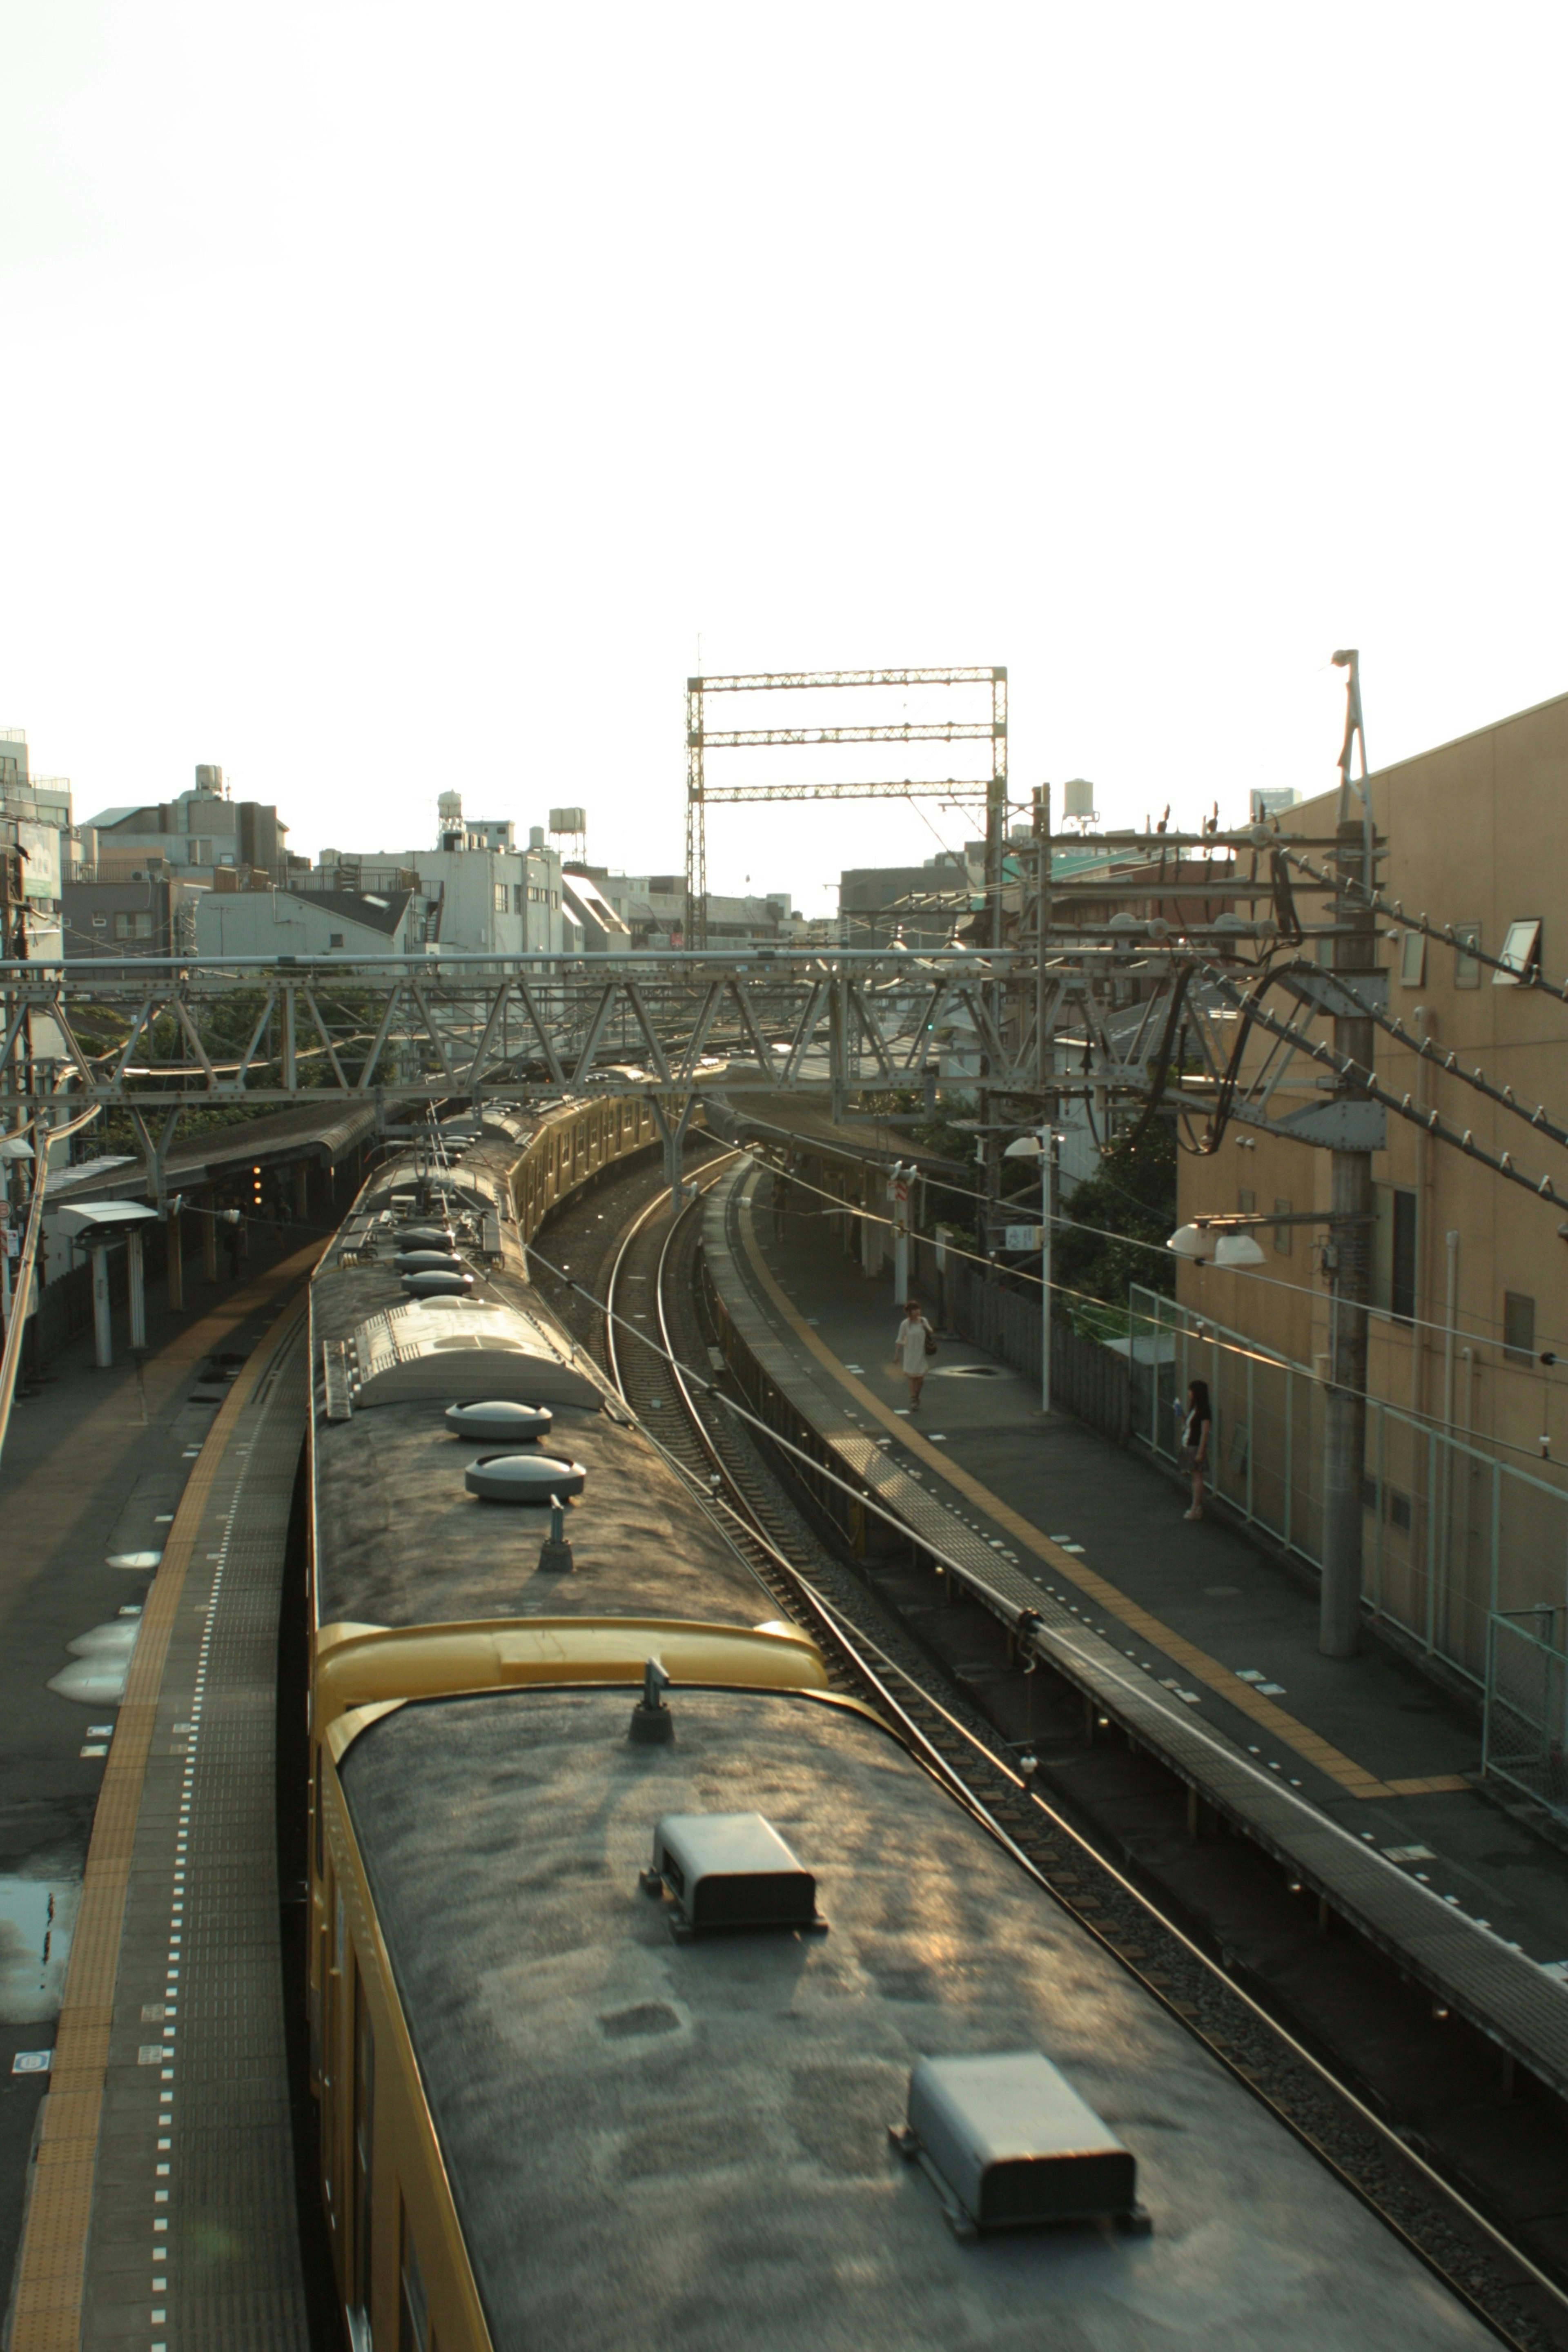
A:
[1474, 1972]
[194, 2239]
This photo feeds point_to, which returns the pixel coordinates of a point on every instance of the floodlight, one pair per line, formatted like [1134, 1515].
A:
[1190, 1241]
[1024, 1147]
[1236, 1250]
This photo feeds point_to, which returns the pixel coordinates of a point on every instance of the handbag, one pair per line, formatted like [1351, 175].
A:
[931, 1342]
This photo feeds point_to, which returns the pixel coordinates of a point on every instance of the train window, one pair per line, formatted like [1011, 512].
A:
[363, 2156]
[413, 2307]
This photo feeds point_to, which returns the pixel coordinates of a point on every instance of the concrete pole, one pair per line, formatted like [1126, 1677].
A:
[103, 1340]
[899, 1185]
[1350, 1235]
[136, 1289]
[176, 1266]
[1047, 1210]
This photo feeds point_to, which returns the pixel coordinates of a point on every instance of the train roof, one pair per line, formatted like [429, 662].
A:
[399, 1540]
[685, 2142]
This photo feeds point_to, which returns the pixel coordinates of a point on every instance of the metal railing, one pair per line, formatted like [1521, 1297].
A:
[1452, 1536]
[1526, 1714]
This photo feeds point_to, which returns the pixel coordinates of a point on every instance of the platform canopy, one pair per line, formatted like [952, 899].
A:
[96, 1220]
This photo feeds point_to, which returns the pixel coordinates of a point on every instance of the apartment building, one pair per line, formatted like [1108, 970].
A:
[36, 827]
[1468, 1466]
[480, 892]
[193, 837]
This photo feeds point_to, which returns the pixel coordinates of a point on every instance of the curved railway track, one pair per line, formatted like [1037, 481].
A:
[651, 1339]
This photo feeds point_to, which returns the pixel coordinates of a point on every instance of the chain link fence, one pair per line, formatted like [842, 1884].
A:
[1452, 1537]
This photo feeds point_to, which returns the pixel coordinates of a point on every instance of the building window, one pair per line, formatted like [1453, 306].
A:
[1521, 954]
[134, 927]
[1247, 1201]
[1466, 970]
[1517, 1327]
[334, 939]
[1413, 960]
[1282, 1232]
[500, 899]
[517, 901]
[1394, 1252]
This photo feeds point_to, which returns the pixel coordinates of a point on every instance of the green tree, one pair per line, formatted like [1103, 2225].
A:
[1129, 1200]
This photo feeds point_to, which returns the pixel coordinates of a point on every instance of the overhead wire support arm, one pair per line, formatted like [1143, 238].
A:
[942, 788]
[1444, 933]
[1450, 1062]
[762, 681]
[701, 739]
[1366, 1081]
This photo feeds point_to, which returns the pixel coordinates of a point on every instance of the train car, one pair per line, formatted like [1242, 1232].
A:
[659, 1992]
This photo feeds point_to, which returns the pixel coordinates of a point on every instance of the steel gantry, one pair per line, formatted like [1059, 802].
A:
[701, 794]
[152, 1034]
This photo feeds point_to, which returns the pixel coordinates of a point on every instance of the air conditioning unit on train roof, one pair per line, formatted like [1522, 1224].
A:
[446, 1351]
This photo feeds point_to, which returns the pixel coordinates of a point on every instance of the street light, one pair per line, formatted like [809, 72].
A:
[1237, 1250]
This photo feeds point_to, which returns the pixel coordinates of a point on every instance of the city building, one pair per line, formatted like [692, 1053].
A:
[154, 915]
[921, 904]
[653, 909]
[195, 837]
[312, 923]
[478, 893]
[36, 827]
[1469, 1324]
[604, 931]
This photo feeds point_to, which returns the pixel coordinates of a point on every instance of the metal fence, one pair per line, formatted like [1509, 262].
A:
[1527, 1706]
[1086, 1380]
[1453, 1537]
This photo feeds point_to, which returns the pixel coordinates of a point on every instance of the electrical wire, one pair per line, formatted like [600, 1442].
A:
[1064, 1224]
[1428, 1422]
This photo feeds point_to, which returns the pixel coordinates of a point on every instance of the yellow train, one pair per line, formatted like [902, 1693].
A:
[657, 1995]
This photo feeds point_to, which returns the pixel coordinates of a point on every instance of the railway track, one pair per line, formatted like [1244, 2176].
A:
[643, 1302]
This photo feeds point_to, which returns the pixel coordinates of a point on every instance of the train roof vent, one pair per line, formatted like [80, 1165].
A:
[731, 1870]
[1009, 2143]
[409, 1355]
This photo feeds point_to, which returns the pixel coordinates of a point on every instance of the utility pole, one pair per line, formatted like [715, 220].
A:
[1045, 1059]
[1350, 1229]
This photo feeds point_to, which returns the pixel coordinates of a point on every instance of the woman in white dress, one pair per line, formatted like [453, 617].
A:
[911, 1348]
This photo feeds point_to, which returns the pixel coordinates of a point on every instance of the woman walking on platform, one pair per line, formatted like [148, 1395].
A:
[1195, 1431]
[911, 1348]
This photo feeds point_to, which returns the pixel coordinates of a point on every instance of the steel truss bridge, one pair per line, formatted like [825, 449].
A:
[146, 1035]
[1117, 1016]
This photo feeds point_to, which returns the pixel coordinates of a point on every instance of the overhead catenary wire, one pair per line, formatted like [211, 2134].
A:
[1063, 1222]
[1431, 1424]
[860, 1648]
[1444, 933]
[1424, 1048]
[1366, 1083]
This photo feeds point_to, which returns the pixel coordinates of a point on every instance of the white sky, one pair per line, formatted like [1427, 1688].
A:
[392, 396]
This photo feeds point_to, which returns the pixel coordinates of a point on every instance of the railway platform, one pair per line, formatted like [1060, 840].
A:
[147, 2191]
[1356, 1774]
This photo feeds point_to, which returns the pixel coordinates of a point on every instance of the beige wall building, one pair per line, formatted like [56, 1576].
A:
[1471, 1273]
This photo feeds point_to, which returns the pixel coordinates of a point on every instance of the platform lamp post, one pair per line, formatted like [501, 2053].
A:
[1044, 1148]
[898, 1200]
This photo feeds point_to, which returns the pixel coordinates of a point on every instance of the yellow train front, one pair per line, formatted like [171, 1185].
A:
[657, 1994]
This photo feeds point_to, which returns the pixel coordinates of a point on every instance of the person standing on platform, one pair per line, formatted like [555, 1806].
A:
[911, 1348]
[1195, 1433]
